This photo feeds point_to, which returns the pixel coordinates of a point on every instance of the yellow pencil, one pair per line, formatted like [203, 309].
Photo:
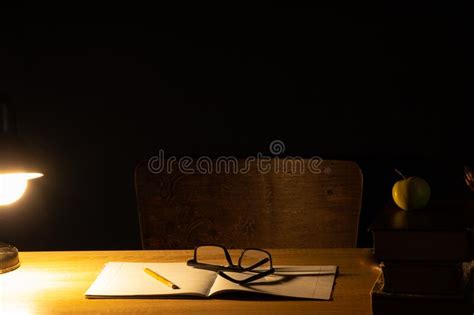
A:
[161, 279]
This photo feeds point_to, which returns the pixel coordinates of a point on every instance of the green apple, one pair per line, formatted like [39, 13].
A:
[411, 193]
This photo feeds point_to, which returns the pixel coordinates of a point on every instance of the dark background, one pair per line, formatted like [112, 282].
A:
[385, 85]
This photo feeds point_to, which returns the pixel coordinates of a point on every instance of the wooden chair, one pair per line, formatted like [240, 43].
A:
[279, 209]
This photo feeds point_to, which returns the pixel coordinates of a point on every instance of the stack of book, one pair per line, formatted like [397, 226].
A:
[425, 257]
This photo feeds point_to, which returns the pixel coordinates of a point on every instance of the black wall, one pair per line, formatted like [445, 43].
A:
[386, 86]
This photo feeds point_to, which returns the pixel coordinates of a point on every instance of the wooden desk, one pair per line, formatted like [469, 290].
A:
[55, 282]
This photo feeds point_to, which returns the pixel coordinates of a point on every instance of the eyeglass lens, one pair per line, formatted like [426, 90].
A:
[211, 255]
[250, 258]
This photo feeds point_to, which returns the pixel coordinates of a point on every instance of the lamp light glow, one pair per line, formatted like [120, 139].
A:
[16, 169]
[13, 186]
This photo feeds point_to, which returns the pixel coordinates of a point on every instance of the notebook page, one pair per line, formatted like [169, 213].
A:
[125, 279]
[311, 282]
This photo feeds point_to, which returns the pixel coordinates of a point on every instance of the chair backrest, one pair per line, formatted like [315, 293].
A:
[286, 207]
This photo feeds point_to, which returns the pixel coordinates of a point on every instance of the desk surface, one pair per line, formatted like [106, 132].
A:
[55, 282]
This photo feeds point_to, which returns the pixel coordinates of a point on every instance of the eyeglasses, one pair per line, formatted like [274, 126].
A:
[217, 258]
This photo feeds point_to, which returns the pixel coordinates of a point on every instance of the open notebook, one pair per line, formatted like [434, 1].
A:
[129, 280]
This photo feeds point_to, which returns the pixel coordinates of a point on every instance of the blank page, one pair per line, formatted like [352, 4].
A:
[310, 282]
[124, 279]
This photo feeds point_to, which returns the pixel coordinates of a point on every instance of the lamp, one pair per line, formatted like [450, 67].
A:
[16, 169]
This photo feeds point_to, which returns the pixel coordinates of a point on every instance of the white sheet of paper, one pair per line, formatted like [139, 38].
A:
[124, 279]
[129, 279]
[311, 282]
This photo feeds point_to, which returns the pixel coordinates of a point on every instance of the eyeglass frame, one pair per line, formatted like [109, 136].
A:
[232, 267]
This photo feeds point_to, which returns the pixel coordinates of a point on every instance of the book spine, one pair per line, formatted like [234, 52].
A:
[422, 246]
[423, 278]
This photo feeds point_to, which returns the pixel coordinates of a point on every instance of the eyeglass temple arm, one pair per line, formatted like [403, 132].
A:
[245, 281]
[258, 276]
[258, 264]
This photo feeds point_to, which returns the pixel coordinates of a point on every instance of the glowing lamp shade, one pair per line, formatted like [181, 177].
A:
[16, 169]
[13, 186]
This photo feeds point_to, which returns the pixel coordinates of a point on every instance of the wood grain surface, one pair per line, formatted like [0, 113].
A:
[287, 207]
[55, 283]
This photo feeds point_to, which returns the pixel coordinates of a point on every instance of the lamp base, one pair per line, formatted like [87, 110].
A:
[8, 258]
